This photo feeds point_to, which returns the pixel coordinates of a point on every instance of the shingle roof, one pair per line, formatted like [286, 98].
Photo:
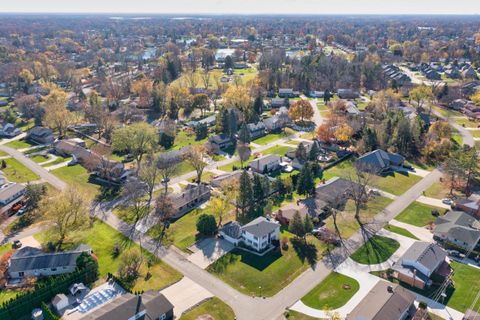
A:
[460, 226]
[379, 160]
[260, 227]
[10, 190]
[427, 254]
[263, 161]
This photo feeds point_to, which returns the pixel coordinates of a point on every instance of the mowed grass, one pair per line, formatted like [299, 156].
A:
[212, 309]
[467, 282]
[294, 315]
[395, 183]
[467, 123]
[346, 222]
[267, 275]
[418, 214]
[20, 144]
[17, 172]
[400, 231]
[332, 293]
[279, 150]
[78, 177]
[182, 139]
[102, 239]
[376, 250]
[437, 190]
[272, 137]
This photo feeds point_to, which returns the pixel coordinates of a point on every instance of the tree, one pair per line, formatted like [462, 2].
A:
[27, 78]
[195, 157]
[206, 224]
[306, 180]
[244, 153]
[164, 211]
[27, 105]
[470, 165]
[307, 224]
[33, 195]
[301, 152]
[133, 194]
[149, 174]
[343, 133]
[237, 97]
[297, 226]
[201, 131]
[168, 167]
[314, 152]
[453, 171]
[130, 263]
[201, 101]
[301, 110]
[325, 133]
[229, 64]
[258, 105]
[245, 194]
[358, 188]
[143, 88]
[159, 96]
[421, 95]
[136, 139]
[57, 117]
[476, 98]
[244, 134]
[67, 212]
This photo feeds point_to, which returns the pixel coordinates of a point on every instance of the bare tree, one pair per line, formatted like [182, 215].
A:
[133, 192]
[205, 79]
[244, 153]
[149, 173]
[195, 157]
[164, 211]
[358, 190]
[168, 167]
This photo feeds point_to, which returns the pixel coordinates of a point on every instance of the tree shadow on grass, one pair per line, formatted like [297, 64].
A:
[258, 262]
[305, 251]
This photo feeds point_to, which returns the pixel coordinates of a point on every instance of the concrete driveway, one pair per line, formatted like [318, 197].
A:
[184, 295]
[208, 251]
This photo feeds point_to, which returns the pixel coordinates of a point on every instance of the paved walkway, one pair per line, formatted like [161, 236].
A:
[421, 233]
[185, 295]
[433, 202]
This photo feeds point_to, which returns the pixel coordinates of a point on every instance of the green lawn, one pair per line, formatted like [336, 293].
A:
[475, 133]
[400, 231]
[269, 138]
[17, 172]
[447, 112]
[102, 239]
[294, 315]
[438, 191]
[280, 150]
[212, 309]
[78, 177]
[20, 144]
[346, 222]
[396, 183]
[418, 214]
[40, 159]
[237, 164]
[183, 140]
[332, 293]
[6, 295]
[467, 282]
[4, 248]
[57, 161]
[467, 123]
[265, 276]
[376, 250]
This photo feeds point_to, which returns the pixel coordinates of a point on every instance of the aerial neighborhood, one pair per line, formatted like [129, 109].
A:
[239, 167]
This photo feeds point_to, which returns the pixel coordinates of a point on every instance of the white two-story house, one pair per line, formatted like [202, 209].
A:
[257, 234]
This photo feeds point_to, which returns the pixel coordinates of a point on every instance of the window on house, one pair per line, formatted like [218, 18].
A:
[256, 238]
[163, 317]
[21, 274]
[53, 269]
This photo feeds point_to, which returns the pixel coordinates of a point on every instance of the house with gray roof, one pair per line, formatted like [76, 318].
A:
[379, 161]
[257, 130]
[420, 262]
[257, 234]
[385, 301]
[265, 164]
[10, 193]
[33, 262]
[189, 199]
[458, 228]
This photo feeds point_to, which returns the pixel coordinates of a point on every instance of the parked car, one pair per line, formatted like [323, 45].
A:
[128, 158]
[16, 244]
[21, 211]
[447, 201]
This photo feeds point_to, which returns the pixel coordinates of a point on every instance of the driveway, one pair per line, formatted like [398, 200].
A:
[208, 251]
[185, 294]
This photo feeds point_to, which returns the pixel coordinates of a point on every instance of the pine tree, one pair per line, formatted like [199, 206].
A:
[306, 180]
[244, 134]
[314, 152]
[258, 105]
[307, 225]
[245, 195]
[296, 225]
[301, 153]
[232, 123]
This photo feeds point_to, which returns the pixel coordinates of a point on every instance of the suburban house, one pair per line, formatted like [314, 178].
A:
[9, 131]
[257, 130]
[458, 228]
[33, 262]
[285, 214]
[385, 301]
[257, 234]
[332, 194]
[41, 135]
[286, 93]
[234, 177]
[316, 94]
[278, 103]
[347, 94]
[471, 206]
[150, 305]
[208, 121]
[379, 161]
[265, 164]
[11, 192]
[220, 142]
[278, 121]
[189, 199]
[420, 262]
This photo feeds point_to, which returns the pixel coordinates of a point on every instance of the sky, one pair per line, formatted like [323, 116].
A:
[245, 6]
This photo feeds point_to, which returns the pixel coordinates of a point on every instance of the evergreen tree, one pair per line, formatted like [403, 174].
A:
[306, 180]
[301, 153]
[314, 152]
[296, 225]
[307, 225]
[402, 137]
[244, 134]
[258, 105]
[221, 125]
[370, 139]
[201, 131]
[229, 64]
[232, 123]
[245, 195]
[327, 96]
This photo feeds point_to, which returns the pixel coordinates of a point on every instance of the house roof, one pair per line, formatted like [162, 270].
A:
[191, 192]
[289, 210]
[40, 131]
[265, 160]
[232, 229]
[383, 303]
[260, 227]
[219, 139]
[429, 255]
[460, 226]
[256, 126]
[10, 190]
[379, 160]
[28, 258]
[128, 305]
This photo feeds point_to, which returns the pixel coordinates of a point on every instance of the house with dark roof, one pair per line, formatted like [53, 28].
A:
[9, 131]
[189, 199]
[220, 142]
[279, 102]
[257, 234]
[385, 301]
[33, 262]
[41, 135]
[286, 213]
[471, 206]
[150, 305]
[458, 228]
[348, 94]
[266, 164]
[257, 130]
[10, 193]
[286, 93]
[379, 161]
[420, 262]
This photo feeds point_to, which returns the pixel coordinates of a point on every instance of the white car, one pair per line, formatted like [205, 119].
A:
[447, 201]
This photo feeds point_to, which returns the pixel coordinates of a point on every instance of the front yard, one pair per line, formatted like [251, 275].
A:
[20, 144]
[78, 177]
[212, 309]
[271, 137]
[418, 214]
[467, 283]
[17, 172]
[265, 276]
[376, 250]
[400, 231]
[332, 293]
[279, 150]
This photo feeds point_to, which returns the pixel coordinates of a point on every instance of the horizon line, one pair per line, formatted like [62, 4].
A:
[230, 14]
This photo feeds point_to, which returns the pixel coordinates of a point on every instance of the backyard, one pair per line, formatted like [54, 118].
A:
[212, 309]
[418, 214]
[332, 293]
[376, 250]
[265, 276]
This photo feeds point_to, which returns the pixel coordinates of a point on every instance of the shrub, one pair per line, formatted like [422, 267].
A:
[206, 224]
